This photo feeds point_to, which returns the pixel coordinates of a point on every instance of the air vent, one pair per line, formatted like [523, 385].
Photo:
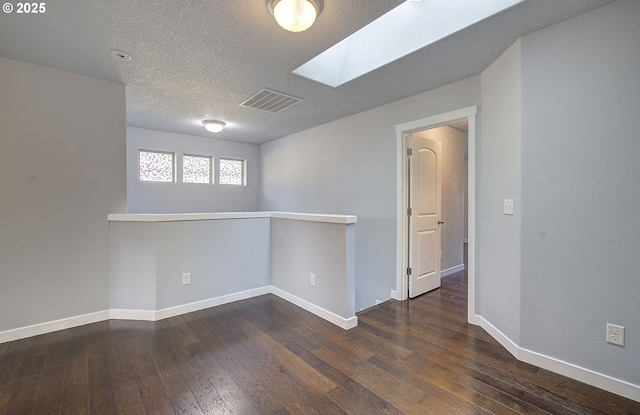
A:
[270, 101]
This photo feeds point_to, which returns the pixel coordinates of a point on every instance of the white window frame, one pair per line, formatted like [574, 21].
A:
[244, 171]
[211, 165]
[173, 166]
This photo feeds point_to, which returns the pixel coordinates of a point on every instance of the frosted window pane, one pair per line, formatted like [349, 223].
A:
[156, 166]
[231, 171]
[196, 169]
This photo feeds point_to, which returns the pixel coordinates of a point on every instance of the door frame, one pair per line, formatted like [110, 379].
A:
[402, 230]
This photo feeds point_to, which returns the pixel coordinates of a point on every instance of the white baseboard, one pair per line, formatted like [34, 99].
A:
[155, 315]
[211, 302]
[143, 315]
[599, 380]
[50, 326]
[345, 323]
[452, 270]
[151, 315]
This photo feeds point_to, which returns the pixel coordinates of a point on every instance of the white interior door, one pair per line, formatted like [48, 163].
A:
[425, 216]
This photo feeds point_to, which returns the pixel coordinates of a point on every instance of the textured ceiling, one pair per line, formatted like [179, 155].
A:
[198, 59]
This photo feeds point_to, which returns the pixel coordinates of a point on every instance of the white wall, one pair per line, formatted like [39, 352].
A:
[453, 188]
[498, 177]
[62, 163]
[349, 167]
[187, 197]
[581, 190]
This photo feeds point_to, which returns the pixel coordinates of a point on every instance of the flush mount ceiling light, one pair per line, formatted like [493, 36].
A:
[213, 126]
[295, 15]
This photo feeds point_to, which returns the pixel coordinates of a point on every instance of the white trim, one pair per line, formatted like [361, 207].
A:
[151, 315]
[499, 336]
[436, 120]
[314, 217]
[179, 217]
[50, 326]
[471, 219]
[345, 323]
[468, 114]
[123, 314]
[211, 302]
[599, 380]
[451, 270]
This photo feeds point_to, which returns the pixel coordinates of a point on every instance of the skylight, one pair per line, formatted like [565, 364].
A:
[409, 27]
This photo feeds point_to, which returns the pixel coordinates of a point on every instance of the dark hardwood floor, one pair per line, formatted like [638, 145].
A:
[266, 356]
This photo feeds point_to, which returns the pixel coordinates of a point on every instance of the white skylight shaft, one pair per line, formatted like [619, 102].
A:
[409, 27]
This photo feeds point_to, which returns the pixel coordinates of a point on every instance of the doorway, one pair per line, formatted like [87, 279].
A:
[402, 239]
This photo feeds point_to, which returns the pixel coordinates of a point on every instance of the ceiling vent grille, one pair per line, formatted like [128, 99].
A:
[270, 101]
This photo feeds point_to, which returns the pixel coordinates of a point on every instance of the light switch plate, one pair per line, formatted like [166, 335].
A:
[508, 206]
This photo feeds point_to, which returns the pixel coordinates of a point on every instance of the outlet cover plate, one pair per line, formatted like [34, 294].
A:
[615, 334]
[186, 278]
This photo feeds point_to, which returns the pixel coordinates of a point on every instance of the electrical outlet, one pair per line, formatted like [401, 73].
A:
[186, 278]
[508, 206]
[312, 279]
[615, 334]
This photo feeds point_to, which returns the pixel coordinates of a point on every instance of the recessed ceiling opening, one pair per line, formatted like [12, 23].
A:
[403, 30]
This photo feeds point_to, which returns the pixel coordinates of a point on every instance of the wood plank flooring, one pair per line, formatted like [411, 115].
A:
[266, 356]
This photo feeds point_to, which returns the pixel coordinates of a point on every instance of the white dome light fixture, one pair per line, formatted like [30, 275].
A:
[214, 126]
[295, 15]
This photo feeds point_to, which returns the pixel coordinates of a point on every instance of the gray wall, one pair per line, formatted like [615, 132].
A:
[231, 256]
[300, 248]
[187, 197]
[498, 177]
[223, 256]
[62, 163]
[453, 187]
[349, 167]
[134, 263]
[581, 191]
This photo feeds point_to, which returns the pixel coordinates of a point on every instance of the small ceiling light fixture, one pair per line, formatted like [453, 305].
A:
[214, 126]
[295, 15]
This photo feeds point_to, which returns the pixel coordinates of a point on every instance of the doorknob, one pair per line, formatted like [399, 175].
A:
[440, 222]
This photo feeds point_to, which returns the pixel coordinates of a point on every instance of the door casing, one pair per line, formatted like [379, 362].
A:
[468, 114]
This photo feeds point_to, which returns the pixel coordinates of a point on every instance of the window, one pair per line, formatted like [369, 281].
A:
[156, 166]
[196, 169]
[232, 172]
